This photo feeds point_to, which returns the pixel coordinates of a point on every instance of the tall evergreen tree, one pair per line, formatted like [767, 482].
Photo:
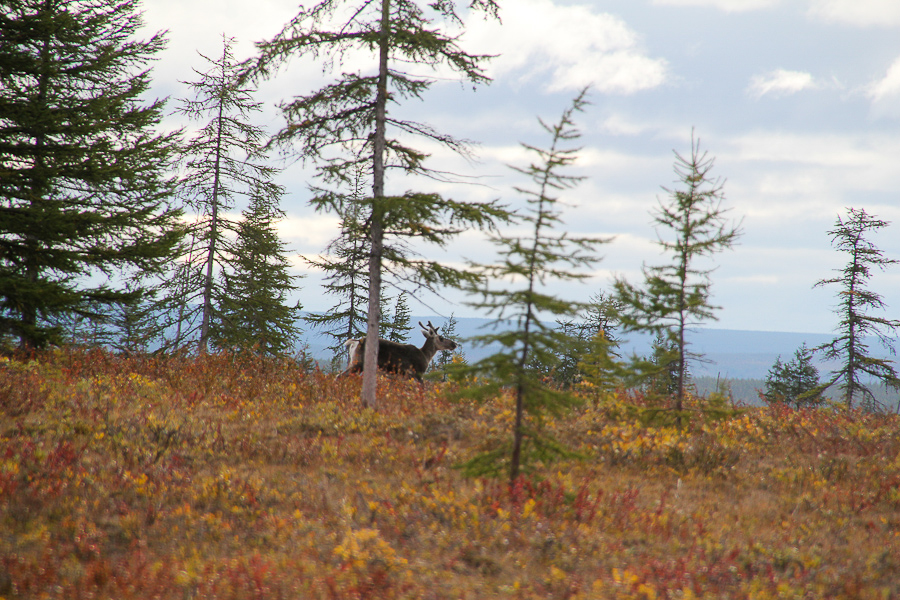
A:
[253, 309]
[676, 296]
[400, 326]
[85, 186]
[351, 123]
[855, 301]
[225, 160]
[534, 261]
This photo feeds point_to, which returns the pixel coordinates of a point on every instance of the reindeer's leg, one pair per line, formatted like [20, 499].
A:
[348, 370]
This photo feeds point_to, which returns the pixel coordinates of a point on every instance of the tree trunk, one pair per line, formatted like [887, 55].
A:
[376, 233]
[851, 328]
[213, 234]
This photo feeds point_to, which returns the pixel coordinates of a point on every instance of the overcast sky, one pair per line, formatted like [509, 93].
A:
[797, 100]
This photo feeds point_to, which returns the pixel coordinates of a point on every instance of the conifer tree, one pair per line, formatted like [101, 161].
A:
[352, 122]
[447, 357]
[253, 308]
[86, 191]
[676, 296]
[400, 326]
[537, 260]
[795, 382]
[600, 365]
[855, 303]
[224, 161]
[345, 262]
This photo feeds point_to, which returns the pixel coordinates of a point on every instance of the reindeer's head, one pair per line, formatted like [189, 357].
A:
[432, 333]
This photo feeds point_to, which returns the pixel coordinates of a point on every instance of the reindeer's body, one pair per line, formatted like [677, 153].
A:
[402, 359]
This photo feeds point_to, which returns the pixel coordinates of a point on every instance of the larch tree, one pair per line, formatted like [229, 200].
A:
[517, 291]
[600, 365]
[676, 296]
[354, 122]
[225, 160]
[87, 198]
[855, 304]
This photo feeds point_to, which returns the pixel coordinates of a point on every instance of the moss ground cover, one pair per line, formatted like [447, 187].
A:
[235, 478]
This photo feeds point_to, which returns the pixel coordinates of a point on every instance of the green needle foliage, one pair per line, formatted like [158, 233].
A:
[600, 364]
[676, 296]
[85, 188]
[345, 264]
[400, 326]
[855, 302]
[253, 308]
[795, 382]
[531, 264]
[224, 162]
[445, 358]
[352, 124]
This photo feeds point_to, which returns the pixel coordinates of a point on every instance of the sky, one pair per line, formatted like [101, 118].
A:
[798, 102]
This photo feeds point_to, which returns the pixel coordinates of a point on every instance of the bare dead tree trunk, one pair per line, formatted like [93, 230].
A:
[214, 228]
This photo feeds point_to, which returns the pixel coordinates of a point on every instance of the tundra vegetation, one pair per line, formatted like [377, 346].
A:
[232, 476]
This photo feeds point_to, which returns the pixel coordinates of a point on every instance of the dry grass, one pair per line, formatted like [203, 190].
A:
[231, 478]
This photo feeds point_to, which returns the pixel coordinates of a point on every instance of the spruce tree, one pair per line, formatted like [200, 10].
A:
[352, 122]
[400, 327]
[86, 191]
[535, 261]
[253, 307]
[225, 161]
[855, 303]
[447, 357]
[795, 382]
[676, 296]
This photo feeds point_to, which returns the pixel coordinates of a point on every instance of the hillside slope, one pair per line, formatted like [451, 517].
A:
[224, 479]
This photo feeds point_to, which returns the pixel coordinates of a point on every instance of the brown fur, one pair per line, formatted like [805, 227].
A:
[402, 359]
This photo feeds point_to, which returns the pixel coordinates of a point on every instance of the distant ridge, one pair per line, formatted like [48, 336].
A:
[729, 353]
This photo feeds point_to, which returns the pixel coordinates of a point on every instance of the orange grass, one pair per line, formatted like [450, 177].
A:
[235, 478]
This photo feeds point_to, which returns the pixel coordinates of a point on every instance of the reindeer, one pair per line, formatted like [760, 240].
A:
[402, 359]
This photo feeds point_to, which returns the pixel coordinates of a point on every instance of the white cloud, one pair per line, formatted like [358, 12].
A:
[780, 82]
[862, 13]
[829, 167]
[596, 49]
[824, 150]
[889, 86]
[726, 5]
[622, 125]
